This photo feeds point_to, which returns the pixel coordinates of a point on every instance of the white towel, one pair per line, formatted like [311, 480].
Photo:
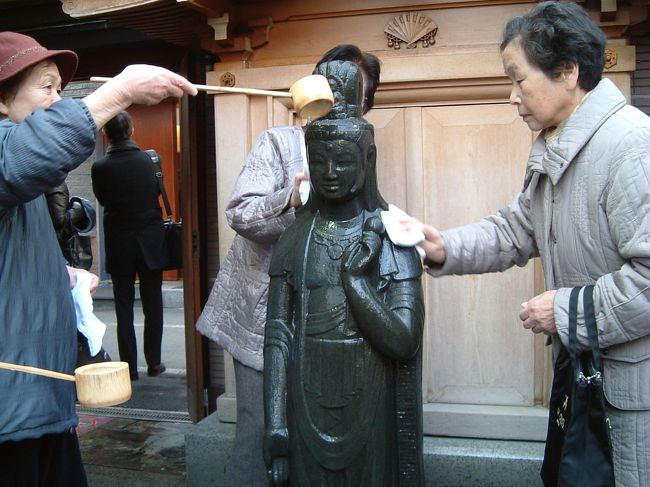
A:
[87, 323]
[395, 232]
[305, 186]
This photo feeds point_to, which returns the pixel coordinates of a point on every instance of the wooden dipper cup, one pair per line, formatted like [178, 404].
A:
[98, 385]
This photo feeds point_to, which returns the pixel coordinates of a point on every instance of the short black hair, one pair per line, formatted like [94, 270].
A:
[369, 64]
[119, 128]
[556, 35]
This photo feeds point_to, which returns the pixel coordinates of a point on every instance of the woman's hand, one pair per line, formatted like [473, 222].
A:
[537, 313]
[433, 245]
[295, 201]
[94, 282]
[136, 84]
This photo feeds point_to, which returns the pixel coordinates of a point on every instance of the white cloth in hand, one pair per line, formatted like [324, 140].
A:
[87, 323]
[305, 186]
[397, 234]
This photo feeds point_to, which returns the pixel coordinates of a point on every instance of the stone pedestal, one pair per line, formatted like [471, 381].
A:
[448, 462]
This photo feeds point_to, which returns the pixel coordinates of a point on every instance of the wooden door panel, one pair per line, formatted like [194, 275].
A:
[476, 349]
[155, 127]
[390, 140]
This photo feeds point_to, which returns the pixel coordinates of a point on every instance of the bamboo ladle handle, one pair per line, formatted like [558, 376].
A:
[35, 370]
[224, 89]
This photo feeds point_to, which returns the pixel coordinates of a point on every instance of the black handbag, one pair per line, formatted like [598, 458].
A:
[79, 218]
[77, 251]
[578, 450]
[173, 229]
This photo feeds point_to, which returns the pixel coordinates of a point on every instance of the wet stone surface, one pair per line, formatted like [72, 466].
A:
[122, 452]
[166, 392]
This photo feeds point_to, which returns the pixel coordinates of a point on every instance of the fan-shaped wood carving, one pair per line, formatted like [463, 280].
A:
[409, 28]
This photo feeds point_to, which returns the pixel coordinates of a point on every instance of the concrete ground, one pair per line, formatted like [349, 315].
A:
[141, 441]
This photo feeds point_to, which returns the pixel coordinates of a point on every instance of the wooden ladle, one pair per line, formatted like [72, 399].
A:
[98, 385]
[312, 96]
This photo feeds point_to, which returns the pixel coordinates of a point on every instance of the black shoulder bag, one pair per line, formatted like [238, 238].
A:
[79, 218]
[173, 229]
[578, 450]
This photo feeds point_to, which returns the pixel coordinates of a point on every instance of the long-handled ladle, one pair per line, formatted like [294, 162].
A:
[312, 95]
[98, 385]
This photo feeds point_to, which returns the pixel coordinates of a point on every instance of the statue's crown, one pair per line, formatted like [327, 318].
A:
[346, 81]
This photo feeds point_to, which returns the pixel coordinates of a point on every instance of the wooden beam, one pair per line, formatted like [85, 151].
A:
[88, 8]
[211, 8]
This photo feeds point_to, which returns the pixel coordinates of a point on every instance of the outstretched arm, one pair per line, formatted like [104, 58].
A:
[137, 84]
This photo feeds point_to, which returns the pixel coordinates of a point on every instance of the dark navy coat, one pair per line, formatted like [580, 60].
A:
[37, 317]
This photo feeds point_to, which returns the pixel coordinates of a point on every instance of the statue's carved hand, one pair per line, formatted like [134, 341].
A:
[357, 258]
[279, 471]
[276, 450]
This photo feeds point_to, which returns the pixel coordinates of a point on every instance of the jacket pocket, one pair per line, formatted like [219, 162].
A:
[631, 352]
[627, 384]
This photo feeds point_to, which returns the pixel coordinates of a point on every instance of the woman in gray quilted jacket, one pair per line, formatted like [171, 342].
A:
[584, 209]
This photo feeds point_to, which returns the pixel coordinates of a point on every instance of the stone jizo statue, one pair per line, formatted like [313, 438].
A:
[342, 374]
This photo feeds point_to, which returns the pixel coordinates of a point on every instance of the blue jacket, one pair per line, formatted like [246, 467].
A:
[37, 318]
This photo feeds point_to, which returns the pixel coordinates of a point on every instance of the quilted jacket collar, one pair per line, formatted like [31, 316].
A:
[554, 158]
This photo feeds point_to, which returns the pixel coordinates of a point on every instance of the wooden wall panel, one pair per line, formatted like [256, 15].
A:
[474, 164]
[471, 160]
[390, 140]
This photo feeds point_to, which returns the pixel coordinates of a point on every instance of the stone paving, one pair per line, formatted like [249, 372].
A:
[140, 442]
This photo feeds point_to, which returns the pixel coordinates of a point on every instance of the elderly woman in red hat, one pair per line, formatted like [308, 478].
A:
[43, 138]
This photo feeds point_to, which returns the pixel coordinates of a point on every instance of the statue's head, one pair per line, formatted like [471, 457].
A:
[341, 146]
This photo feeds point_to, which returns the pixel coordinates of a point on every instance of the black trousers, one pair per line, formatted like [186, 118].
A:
[51, 460]
[152, 307]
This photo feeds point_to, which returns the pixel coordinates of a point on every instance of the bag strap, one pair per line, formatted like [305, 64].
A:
[155, 158]
[590, 323]
[573, 323]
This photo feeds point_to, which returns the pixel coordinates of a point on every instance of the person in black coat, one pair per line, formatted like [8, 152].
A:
[125, 184]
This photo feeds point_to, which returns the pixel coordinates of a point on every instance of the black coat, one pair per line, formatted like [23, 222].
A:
[125, 184]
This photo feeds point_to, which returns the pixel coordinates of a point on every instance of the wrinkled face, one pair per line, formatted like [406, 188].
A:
[337, 169]
[39, 88]
[542, 102]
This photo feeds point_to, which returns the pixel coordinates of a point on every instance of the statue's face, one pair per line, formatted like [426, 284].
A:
[337, 169]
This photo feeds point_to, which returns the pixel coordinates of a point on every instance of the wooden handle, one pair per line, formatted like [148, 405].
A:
[224, 89]
[35, 370]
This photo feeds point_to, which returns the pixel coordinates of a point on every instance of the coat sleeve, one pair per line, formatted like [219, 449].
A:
[259, 204]
[57, 203]
[492, 244]
[38, 153]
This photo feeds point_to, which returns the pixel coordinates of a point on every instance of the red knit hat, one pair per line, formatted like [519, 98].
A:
[18, 52]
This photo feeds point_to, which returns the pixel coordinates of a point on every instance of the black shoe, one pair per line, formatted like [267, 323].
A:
[134, 375]
[156, 370]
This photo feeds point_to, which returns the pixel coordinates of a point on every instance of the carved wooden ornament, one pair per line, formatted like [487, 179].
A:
[611, 58]
[409, 28]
